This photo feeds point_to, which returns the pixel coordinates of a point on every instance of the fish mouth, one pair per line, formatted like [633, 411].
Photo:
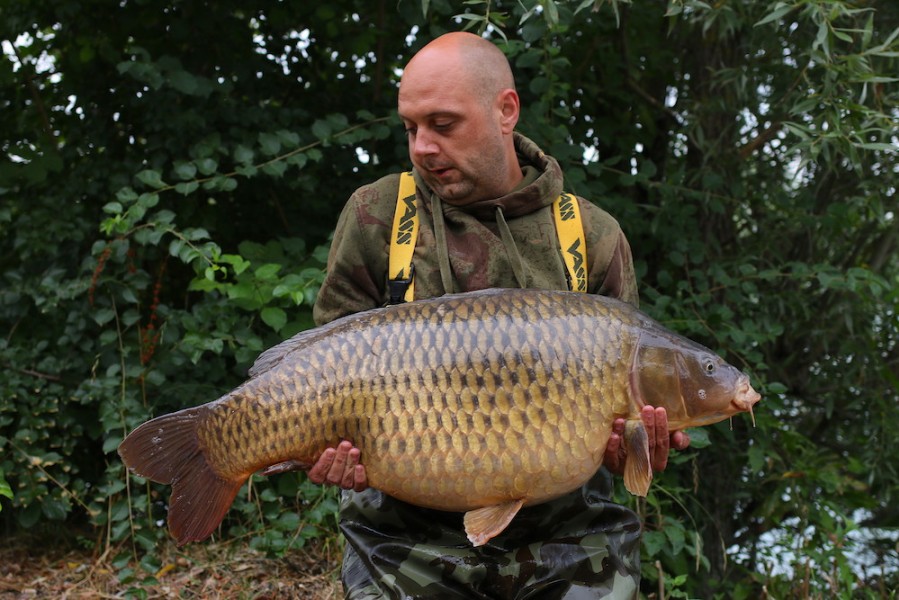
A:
[745, 397]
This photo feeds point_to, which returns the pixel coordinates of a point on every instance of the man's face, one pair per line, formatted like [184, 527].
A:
[455, 137]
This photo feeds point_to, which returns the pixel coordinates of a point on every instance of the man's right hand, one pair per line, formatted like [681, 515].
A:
[340, 466]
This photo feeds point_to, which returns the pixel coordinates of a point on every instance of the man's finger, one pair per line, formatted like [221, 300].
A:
[319, 471]
[612, 457]
[680, 440]
[335, 473]
[659, 451]
[360, 480]
[349, 471]
[648, 416]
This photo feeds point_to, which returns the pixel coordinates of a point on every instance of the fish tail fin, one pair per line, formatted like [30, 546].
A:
[168, 450]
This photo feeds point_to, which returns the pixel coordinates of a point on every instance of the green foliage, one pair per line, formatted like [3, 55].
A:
[172, 178]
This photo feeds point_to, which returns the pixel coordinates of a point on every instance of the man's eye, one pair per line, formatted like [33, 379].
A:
[409, 131]
[442, 126]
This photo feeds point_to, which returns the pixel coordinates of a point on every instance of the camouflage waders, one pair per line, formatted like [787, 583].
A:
[579, 546]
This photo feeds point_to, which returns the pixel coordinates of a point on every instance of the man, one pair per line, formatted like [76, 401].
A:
[483, 194]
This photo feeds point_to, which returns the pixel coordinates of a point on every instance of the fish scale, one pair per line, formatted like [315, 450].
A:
[481, 402]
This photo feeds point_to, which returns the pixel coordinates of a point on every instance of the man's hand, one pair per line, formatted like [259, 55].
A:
[655, 420]
[340, 466]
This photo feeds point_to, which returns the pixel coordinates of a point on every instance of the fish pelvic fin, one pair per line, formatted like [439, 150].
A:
[637, 467]
[168, 450]
[483, 524]
[286, 467]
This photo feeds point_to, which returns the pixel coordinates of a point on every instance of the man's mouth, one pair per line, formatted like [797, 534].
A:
[438, 170]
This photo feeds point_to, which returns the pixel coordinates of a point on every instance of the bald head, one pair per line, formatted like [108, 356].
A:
[459, 107]
[465, 59]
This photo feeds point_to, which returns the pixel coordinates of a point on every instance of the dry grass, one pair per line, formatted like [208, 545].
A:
[205, 570]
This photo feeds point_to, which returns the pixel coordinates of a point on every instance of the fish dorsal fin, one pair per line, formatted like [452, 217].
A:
[637, 468]
[482, 524]
[271, 357]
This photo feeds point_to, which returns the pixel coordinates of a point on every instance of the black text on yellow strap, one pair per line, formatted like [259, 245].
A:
[580, 273]
[566, 208]
[407, 221]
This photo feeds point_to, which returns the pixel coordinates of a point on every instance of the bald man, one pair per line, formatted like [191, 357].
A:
[484, 196]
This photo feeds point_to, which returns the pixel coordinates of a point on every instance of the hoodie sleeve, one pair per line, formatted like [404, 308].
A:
[357, 260]
[610, 263]
[619, 280]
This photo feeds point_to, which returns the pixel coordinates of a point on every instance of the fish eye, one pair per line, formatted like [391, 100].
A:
[709, 367]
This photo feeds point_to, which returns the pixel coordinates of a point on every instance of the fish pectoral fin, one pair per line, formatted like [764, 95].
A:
[482, 524]
[286, 466]
[637, 468]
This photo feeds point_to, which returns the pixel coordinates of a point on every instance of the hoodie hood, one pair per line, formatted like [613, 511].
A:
[542, 184]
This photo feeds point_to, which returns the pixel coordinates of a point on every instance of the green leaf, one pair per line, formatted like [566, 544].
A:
[674, 531]
[243, 155]
[187, 188]
[780, 9]
[699, 438]
[237, 262]
[268, 271]
[288, 138]
[321, 129]
[103, 316]
[207, 166]
[55, 509]
[185, 170]
[5, 489]
[151, 178]
[111, 443]
[275, 169]
[195, 233]
[270, 144]
[184, 82]
[653, 542]
[879, 146]
[113, 208]
[274, 317]
[126, 195]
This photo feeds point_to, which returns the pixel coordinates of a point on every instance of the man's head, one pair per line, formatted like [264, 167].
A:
[458, 103]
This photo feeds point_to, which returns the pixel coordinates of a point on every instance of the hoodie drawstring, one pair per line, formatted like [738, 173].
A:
[511, 249]
[446, 272]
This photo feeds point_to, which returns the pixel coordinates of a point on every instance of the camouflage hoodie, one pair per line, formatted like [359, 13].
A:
[504, 242]
[578, 546]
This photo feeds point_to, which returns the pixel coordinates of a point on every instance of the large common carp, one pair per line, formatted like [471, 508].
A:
[481, 402]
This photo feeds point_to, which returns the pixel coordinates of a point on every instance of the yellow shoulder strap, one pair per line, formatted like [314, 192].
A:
[402, 243]
[572, 241]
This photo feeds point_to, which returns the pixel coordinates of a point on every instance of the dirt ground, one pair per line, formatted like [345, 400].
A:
[207, 570]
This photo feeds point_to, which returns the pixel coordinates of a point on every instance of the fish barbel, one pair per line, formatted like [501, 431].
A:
[481, 403]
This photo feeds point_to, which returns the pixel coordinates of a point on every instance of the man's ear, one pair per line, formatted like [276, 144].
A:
[509, 108]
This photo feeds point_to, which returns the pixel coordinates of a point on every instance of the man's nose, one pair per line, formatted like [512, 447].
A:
[422, 144]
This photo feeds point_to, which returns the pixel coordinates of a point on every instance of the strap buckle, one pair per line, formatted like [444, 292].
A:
[396, 288]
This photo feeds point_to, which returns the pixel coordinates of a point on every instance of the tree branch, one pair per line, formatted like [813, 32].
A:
[30, 77]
